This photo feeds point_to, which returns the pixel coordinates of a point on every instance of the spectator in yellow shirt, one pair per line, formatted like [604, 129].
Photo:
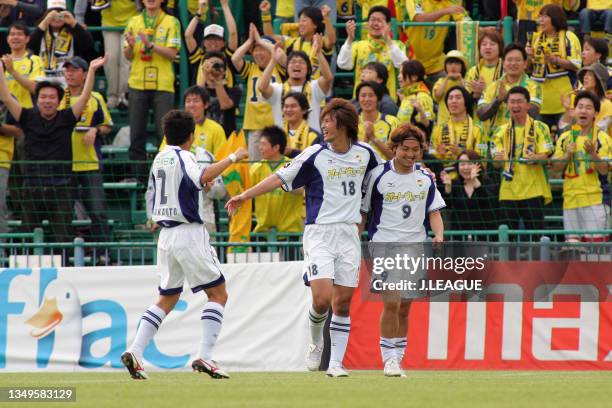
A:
[459, 133]
[528, 12]
[276, 209]
[555, 59]
[374, 126]
[455, 67]
[152, 42]
[520, 147]
[597, 14]
[490, 67]
[416, 103]
[300, 135]
[427, 43]
[583, 153]
[379, 46]
[492, 107]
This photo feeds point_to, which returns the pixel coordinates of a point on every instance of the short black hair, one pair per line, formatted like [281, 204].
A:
[588, 95]
[519, 90]
[557, 15]
[178, 125]
[467, 97]
[19, 25]
[381, 71]
[515, 46]
[376, 87]
[601, 47]
[276, 136]
[305, 57]
[315, 14]
[49, 84]
[198, 91]
[413, 67]
[301, 100]
[216, 54]
[380, 9]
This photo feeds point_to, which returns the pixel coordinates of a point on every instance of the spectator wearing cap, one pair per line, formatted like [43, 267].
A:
[48, 137]
[583, 153]
[594, 78]
[58, 37]
[211, 38]
[152, 42]
[95, 122]
[223, 98]
[312, 20]
[115, 13]
[597, 14]
[427, 43]
[378, 46]
[258, 113]
[455, 67]
[555, 60]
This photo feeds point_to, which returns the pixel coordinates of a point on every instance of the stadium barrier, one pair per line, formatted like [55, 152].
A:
[75, 319]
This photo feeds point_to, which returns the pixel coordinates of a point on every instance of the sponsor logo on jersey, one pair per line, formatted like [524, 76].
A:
[345, 171]
[391, 196]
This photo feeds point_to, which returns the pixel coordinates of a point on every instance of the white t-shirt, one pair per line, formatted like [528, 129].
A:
[175, 176]
[316, 98]
[333, 181]
[398, 204]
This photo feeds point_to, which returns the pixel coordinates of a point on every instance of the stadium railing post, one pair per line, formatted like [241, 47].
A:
[273, 237]
[545, 248]
[503, 242]
[79, 252]
[38, 239]
[508, 29]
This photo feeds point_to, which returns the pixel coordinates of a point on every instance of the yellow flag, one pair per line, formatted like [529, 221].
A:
[236, 180]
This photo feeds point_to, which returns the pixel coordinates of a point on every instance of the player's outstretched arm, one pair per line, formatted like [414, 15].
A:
[213, 171]
[270, 183]
[437, 226]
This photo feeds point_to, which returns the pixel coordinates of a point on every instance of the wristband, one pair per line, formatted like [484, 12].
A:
[266, 18]
[232, 157]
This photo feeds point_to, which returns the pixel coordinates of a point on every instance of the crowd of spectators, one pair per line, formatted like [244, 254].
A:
[498, 127]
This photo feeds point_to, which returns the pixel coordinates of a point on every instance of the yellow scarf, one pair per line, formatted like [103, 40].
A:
[55, 48]
[572, 169]
[548, 45]
[306, 90]
[299, 140]
[499, 69]
[509, 141]
[465, 141]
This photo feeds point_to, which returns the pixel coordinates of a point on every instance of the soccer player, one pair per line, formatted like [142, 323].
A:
[183, 249]
[399, 196]
[332, 175]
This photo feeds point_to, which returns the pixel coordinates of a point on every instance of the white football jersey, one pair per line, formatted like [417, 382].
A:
[333, 181]
[398, 204]
[175, 175]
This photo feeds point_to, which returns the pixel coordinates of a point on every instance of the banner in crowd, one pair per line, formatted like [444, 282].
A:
[84, 318]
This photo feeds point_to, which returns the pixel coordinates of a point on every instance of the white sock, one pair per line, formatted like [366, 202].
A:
[149, 323]
[212, 320]
[339, 330]
[387, 348]
[317, 322]
[400, 347]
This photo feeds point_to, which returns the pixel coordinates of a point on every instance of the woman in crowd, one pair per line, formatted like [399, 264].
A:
[490, 66]
[295, 123]
[374, 126]
[417, 105]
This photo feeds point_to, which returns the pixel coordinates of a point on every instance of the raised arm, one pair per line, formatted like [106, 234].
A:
[329, 41]
[438, 14]
[230, 22]
[190, 41]
[81, 102]
[5, 96]
[326, 79]
[19, 77]
[345, 57]
[264, 86]
[238, 56]
[266, 17]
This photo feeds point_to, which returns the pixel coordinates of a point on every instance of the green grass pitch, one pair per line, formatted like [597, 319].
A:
[443, 389]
